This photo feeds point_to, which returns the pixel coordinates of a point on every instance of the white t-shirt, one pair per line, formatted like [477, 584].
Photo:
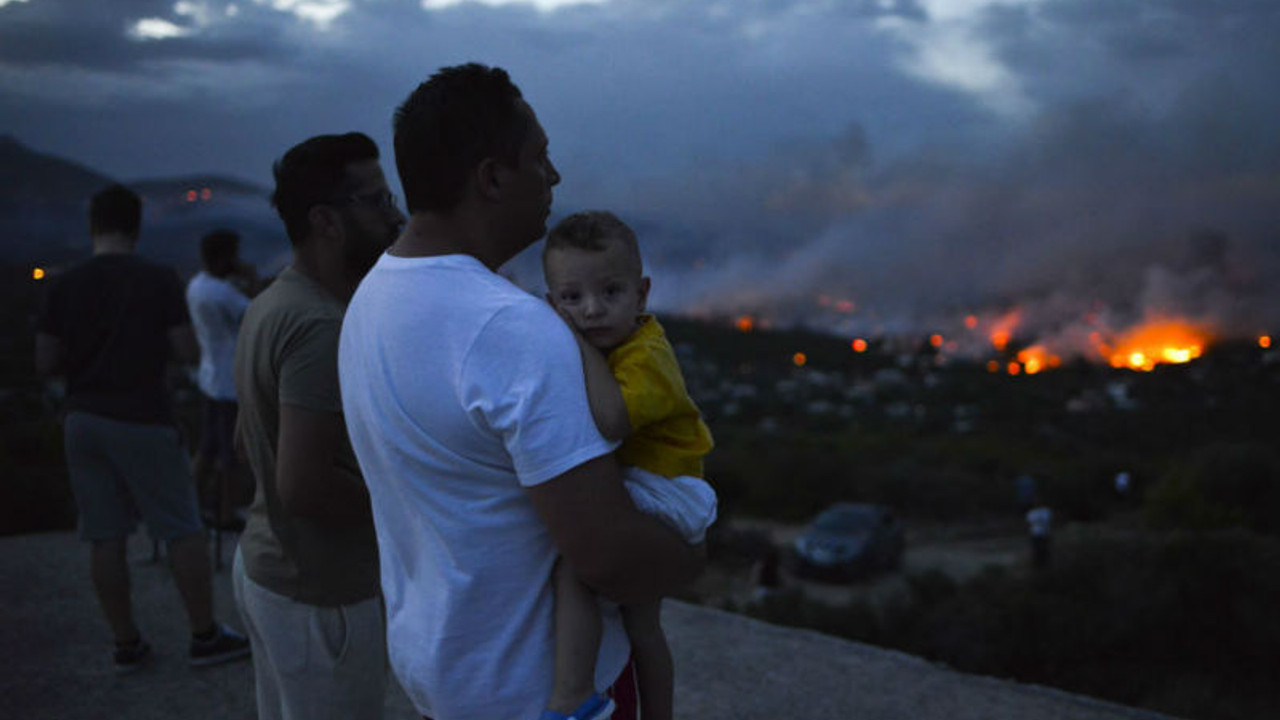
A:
[216, 309]
[459, 391]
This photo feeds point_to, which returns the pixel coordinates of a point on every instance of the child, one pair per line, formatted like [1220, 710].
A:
[595, 281]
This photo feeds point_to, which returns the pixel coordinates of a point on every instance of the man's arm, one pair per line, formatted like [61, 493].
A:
[608, 408]
[311, 485]
[183, 348]
[48, 355]
[618, 551]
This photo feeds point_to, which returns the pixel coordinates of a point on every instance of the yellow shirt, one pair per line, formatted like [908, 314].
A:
[668, 436]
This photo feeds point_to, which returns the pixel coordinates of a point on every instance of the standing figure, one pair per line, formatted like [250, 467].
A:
[217, 306]
[306, 570]
[111, 325]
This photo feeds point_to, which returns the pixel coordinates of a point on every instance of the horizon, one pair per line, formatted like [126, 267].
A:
[918, 160]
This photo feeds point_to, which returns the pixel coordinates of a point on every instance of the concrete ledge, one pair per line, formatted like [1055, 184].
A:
[55, 661]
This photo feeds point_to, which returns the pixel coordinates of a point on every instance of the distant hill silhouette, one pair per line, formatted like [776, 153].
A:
[44, 200]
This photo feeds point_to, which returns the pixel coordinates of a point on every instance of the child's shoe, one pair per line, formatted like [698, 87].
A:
[596, 707]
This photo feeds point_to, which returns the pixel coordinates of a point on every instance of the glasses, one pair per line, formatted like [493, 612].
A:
[379, 200]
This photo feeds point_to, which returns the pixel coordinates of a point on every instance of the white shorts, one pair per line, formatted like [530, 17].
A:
[686, 503]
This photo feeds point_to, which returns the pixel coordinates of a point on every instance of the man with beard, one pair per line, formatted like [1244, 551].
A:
[306, 573]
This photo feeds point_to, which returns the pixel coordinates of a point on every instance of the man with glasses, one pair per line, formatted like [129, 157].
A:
[306, 572]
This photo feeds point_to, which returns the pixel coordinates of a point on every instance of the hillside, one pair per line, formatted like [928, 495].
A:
[45, 197]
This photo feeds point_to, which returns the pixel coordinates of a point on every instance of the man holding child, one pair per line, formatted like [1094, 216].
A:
[466, 405]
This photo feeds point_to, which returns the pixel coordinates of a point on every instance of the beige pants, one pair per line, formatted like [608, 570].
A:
[310, 662]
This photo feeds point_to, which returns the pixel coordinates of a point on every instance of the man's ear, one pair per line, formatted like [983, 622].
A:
[324, 220]
[644, 292]
[488, 175]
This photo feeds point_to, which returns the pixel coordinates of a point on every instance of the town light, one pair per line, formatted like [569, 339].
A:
[37, 273]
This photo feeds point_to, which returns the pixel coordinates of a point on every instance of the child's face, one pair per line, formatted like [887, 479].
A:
[600, 292]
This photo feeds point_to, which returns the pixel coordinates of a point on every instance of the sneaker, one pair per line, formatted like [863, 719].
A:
[129, 658]
[225, 645]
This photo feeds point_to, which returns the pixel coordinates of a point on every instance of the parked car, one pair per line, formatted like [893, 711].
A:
[848, 541]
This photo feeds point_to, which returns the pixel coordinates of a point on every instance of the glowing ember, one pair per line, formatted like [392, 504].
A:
[799, 359]
[1000, 339]
[1014, 368]
[935, 340]
[1164, 341]
[993, 366]
[859, 345]
[1264, 341]
[745, 323]
[37, 273]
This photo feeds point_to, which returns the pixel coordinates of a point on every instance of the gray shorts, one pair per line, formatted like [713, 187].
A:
[121, 471]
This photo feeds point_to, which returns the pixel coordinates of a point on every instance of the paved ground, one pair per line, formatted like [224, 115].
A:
[54, 661]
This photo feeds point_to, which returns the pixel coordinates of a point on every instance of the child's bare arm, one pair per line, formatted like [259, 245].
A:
[607, 406]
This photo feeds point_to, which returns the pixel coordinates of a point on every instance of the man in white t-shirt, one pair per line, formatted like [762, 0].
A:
[465, 402]
[216, 307]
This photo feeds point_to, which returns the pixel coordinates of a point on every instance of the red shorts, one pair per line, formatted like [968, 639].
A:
[624, 694]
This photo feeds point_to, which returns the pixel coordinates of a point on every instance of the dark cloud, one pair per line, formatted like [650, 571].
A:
[1052, 154]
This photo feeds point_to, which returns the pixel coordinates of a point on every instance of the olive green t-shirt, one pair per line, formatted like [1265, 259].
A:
[287, 354]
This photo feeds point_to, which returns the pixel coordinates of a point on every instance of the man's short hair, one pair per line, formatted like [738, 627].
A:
[218, 252]
[314, 172]
[457, 118]
[116, 209]
[590, 230]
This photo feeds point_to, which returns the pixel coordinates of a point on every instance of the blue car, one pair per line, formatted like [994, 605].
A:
[849, 541]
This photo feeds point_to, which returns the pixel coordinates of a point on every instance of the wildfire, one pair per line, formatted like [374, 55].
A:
[745, 323]
[799, 359]
[971, 321]
[935, 340]
[1164, 341]
[1264, 341]
[1002, 330]
[1037, 358]
[859, 345]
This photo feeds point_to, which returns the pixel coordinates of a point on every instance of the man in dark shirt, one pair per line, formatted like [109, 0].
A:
[110, 325]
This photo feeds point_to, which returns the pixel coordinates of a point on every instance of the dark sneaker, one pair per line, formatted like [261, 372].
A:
[131, 657]
[225, 645]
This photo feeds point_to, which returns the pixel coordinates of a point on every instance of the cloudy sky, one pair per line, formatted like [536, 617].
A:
[921, 159]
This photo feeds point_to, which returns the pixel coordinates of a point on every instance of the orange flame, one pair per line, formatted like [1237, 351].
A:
[37, 273]
[1037, 358]
[799, 359]
[935, 340]
[1156, 343]
[1002, 331]
[1014, 368]
[1264, 341]
[745, 323]
[859, 345]
[993, 366]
